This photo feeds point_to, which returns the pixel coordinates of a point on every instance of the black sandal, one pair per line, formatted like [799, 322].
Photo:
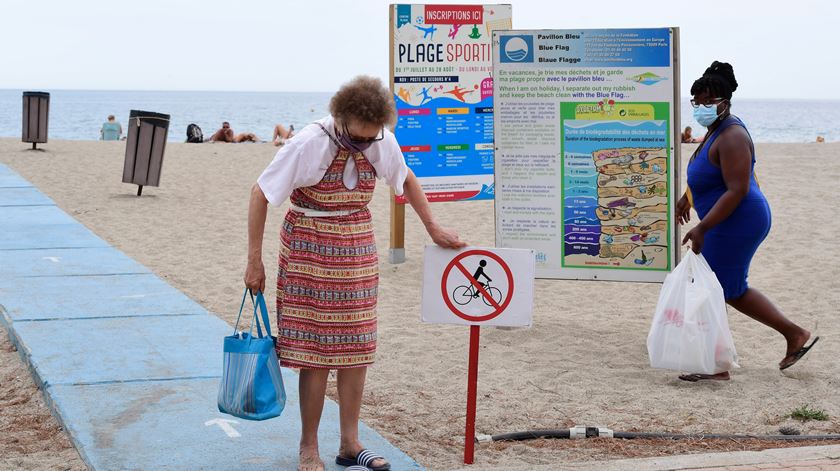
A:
[797, 355]
[693, 378]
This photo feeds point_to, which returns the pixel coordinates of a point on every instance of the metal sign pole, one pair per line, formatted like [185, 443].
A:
[472, 386]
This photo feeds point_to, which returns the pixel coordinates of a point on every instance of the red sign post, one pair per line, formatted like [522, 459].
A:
[475, 330]
[472, 387]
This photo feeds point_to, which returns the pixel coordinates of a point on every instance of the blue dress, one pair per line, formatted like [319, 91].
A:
[728, 247]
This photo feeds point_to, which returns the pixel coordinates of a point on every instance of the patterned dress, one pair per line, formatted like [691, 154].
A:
[328, 273]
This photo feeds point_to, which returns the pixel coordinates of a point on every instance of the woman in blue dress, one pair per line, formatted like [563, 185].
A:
[734, 215]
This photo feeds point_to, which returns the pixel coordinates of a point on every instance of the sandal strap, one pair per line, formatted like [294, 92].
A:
[357, 468]
[367, 457]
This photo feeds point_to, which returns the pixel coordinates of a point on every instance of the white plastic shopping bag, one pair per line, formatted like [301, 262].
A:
[690, 330]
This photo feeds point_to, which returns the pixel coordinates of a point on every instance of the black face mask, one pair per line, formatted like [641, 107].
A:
[351, 145]
[359, 146]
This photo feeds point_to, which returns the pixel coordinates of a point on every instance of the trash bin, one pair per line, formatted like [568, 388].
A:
[144, 148]
[36, 113]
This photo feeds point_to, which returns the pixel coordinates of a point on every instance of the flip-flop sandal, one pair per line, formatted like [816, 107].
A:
[365, 458]
[356, 468]
[797, 355]
[693, 378]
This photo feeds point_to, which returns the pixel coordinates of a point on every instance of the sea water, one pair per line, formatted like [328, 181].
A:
[79, 114]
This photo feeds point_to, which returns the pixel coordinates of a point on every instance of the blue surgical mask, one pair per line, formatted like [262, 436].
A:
[706, 116]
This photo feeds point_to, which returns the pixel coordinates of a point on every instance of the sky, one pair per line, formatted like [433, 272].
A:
[779, 49]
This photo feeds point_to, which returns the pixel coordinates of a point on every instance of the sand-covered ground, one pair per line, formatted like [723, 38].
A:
[583, 362]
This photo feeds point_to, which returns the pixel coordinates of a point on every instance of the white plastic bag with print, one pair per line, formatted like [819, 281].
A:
[690, 330]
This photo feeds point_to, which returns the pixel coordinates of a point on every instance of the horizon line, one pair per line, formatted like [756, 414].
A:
[320, 91]
[158, 90]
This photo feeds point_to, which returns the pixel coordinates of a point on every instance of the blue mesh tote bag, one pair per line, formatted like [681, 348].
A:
[252, 386]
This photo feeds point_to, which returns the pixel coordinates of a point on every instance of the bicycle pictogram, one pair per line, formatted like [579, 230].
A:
[464, 294]
[457, 295]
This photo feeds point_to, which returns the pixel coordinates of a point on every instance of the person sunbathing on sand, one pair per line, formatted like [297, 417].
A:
[225, 134]
[246, 137]
[281, 134]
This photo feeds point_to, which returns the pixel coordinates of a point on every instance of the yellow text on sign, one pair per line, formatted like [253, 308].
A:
[453, 111]
[618, 111]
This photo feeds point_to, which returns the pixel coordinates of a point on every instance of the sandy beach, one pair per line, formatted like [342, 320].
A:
[583, 362]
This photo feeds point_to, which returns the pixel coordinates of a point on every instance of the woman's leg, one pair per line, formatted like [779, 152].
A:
[758, 307]
[351, 385]
[280, 135]
[312, 387]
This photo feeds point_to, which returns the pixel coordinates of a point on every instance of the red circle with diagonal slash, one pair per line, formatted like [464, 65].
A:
[456, 263]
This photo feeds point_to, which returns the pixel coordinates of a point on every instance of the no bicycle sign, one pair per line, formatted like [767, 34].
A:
[478, 286]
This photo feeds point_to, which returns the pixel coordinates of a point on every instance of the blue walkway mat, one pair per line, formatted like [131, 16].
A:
[66, 262]
[87, 351]
[93, 296]
[10, 179]
[25, 196]
[129, 365]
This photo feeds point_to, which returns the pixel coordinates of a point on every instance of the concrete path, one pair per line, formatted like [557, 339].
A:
[129, 365]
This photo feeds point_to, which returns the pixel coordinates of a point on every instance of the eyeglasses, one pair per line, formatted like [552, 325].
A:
[365, 140]
[715, 102]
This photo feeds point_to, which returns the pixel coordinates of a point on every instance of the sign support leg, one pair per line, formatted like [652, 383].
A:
[396, 253]
[472, 386]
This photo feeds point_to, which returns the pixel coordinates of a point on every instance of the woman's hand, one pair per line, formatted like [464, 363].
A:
[683, 211]
[255, 276]
[444, 237]
[695, 235]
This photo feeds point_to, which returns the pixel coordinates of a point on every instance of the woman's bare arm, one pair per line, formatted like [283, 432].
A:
[257, 212]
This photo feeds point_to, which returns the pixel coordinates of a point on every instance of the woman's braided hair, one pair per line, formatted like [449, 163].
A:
[718, 80]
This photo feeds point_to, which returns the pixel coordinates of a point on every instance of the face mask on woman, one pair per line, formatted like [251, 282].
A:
[349, 144]
[706, 116]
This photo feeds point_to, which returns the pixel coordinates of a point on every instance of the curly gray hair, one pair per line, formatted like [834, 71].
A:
[364, 99]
